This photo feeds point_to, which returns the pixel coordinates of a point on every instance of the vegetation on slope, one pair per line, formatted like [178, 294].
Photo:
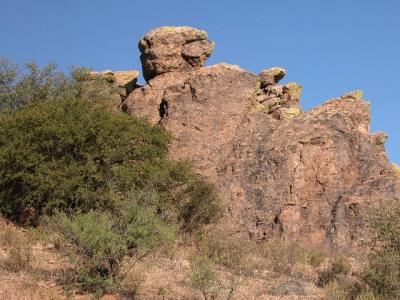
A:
[98, 180]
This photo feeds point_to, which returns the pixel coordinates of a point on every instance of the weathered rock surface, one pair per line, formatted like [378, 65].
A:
[312, 177]
[168, 49]
[306, 176]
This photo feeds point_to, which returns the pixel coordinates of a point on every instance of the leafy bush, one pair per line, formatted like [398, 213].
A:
[98, 241]
[71, 155]
[383, 274]
[65, 155]
[34, 84]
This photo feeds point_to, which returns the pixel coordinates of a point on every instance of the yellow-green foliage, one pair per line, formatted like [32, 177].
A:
[278, 71]
[358, 94]
[259, 107]
[293, 112]
[380, 138]
[395, 168]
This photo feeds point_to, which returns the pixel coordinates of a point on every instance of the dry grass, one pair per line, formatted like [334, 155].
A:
[17, 247]
[291, 259]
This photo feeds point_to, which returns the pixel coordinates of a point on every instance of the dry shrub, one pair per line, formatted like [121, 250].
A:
[225, 248]
[18, 249]
[131, 283]
[339, 266]
[335, 291]
[287, 257]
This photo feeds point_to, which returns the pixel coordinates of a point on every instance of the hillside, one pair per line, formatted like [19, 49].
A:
[275, 202]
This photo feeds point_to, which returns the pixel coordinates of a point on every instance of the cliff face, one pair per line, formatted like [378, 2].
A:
[307, 176]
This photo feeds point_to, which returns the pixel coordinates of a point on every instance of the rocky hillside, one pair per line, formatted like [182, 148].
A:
[97, 203]
[280, 171]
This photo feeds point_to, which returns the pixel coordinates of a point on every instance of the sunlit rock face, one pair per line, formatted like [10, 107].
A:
[280, 171]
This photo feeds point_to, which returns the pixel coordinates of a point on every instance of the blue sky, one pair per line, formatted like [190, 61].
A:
[330, 47]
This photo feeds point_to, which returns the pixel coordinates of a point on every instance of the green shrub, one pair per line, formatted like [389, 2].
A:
[71, 155]
[97, 242]
[203, 277]
[317, 258]
[64, 155]
[104, 175]
[31, 84]
[383, 274]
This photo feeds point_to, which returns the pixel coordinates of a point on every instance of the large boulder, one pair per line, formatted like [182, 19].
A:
[167, 49]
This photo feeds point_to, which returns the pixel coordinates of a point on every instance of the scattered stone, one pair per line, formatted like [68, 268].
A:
[291, 287]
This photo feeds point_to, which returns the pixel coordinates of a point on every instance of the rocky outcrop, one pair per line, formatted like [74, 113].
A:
[168, 49]
[307, 176]
[123, 81]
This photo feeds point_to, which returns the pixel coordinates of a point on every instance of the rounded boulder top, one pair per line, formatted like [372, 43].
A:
[168, 49]
[272, 76]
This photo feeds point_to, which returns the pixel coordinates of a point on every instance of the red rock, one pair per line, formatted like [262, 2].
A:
[306, 176]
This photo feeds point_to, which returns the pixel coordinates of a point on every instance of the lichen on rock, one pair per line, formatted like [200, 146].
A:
[395, 168]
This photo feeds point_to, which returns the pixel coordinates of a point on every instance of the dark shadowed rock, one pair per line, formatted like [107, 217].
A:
[306, 176]
[167, 49]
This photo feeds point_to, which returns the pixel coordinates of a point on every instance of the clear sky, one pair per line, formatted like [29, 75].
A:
[330, 47]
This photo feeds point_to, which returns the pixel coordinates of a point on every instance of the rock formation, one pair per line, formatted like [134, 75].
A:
[168, 49]
[307, 176]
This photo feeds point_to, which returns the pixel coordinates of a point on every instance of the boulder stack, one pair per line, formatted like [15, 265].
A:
[168, 49]
[281, 102]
